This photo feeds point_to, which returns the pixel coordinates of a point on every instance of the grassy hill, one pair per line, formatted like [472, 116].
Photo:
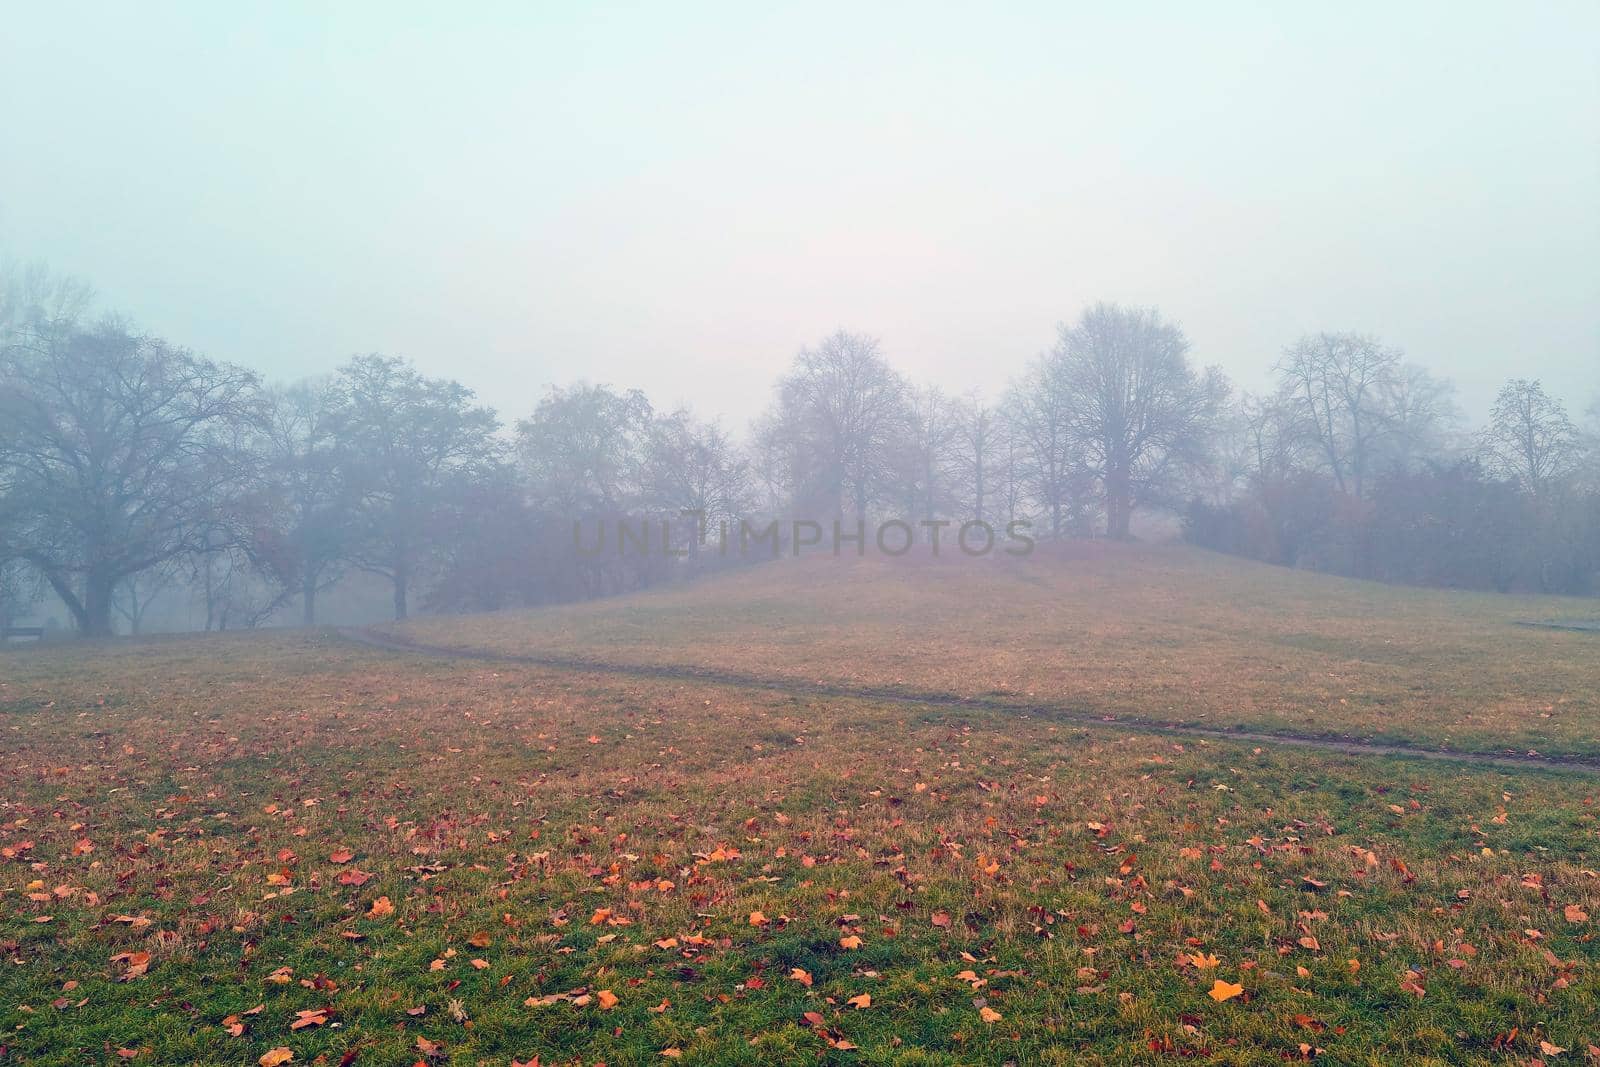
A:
[1165, 633]
[237, 848]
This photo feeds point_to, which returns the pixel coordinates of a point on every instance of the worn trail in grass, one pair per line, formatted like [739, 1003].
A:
[1583, 764]
[1153, 633]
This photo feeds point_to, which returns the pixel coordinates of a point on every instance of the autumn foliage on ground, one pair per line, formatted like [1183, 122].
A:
[293, 849]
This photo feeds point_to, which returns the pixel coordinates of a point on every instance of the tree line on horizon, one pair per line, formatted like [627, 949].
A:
[131, 468]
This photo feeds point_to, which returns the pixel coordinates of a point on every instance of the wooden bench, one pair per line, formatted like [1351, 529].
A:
[35, 632]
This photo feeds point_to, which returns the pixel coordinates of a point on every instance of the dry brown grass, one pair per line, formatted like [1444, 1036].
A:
[1158, 632]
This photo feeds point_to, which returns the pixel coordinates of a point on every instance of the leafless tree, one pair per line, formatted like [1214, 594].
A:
[408, 439]
[119, 453]
[1140, 418]
[302, 512]
[978, 449]
[693, 466]
[19, 591]
[35, 301]
[1338, 383]
[1273, 447]
[1530, 438]
[1038, 417]
[929, 448]
[843, 412]
[134, 597]
[583, 449]
[1591, 452]
[1419, 416]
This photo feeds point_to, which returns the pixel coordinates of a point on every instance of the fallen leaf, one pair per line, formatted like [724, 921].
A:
[1222, 991]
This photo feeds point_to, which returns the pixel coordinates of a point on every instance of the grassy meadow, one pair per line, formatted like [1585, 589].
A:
[291, 848]
[1163, 633]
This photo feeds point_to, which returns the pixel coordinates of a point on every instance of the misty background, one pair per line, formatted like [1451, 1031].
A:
[679, 197]
[338, 314]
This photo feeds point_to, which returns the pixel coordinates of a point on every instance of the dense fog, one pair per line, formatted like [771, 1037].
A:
[144, 486]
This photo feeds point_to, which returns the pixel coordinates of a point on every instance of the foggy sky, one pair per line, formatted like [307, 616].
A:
[679, 196]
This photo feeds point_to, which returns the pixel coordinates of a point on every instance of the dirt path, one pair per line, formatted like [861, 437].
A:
[1059, 713]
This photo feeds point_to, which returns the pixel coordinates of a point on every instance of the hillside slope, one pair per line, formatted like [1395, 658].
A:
[1156, 632]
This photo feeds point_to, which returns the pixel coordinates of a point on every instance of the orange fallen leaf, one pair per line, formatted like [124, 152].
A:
[801, 975]
[275, 1057]
[380, 907]
[863, 1000]
[1225, 991]
[988, 1014]
[607, 999]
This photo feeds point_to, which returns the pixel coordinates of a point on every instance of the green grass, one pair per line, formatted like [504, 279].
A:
[203, 788]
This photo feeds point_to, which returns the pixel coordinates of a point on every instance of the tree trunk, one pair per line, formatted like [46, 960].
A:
[308, 596]
[1118, 505]
[63, 589]
[96, 619]
[400, 594]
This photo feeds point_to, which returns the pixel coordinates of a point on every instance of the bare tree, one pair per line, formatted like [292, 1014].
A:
[408, 439]
[843, 412]
[977, 451]
[1419, 416]
[1038, 420]
[1590, 463]
[693, 466]
[19, 591]
[1530, 438]
[1140, 418]
[134, 597]
[583, 448]
[1273, 447]
[119, 453]
[930, 447]
[34, 301]
[302, 514]
[1338, 383]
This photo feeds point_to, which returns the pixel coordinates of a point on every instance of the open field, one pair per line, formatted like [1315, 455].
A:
[211, 849]
[1164, 633]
